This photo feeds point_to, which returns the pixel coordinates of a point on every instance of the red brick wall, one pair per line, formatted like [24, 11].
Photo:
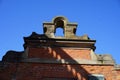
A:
[37, 71]
[59, 53]
[7, 70]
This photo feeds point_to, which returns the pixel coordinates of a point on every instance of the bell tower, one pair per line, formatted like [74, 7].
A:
[69, 29]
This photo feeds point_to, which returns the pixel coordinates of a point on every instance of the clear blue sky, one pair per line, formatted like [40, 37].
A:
[100, 19]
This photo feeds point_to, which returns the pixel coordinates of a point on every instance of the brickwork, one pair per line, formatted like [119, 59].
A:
[36, 71]
[7, 69]
[59, 53]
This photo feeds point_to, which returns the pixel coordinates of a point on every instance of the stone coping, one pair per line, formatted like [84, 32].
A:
[65, 61]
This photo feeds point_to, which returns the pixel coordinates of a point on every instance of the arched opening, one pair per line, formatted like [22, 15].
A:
[45, 29]
[74, 30]
[59, 32]
[59, 25]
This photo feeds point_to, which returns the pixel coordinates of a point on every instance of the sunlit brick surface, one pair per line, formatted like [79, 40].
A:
[59, 53]
[36, 71]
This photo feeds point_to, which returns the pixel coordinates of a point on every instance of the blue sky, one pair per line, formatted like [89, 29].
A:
[100, 19]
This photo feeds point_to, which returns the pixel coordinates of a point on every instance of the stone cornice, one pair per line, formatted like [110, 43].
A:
[52, 42]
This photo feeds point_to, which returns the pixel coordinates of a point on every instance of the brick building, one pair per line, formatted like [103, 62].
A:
[50, 57]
